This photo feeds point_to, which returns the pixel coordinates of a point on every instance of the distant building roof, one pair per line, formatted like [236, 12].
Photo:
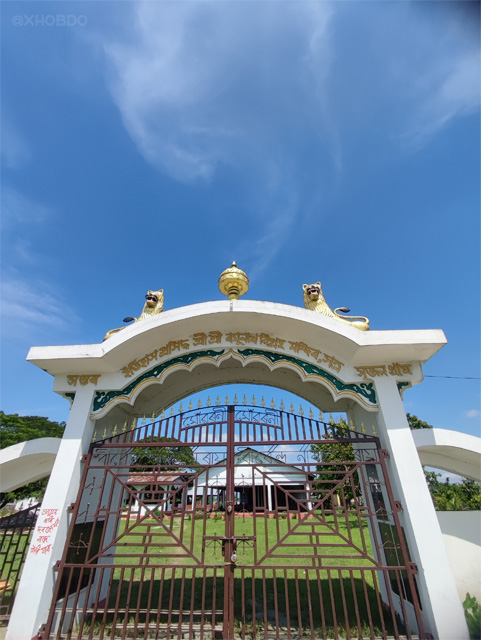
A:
[153, 478]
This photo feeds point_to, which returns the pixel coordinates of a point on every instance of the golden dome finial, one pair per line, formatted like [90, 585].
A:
[233, 282]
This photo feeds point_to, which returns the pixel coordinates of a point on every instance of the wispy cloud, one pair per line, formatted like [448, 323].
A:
[17, 209]
[473, 413]
[451, 90]
[14, 149]
[31, 308]
[202, 86]
[198, 84]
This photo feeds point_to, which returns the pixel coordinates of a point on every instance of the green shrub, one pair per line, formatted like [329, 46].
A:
[472, 611]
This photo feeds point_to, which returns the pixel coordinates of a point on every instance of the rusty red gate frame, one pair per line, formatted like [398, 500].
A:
[15, 534]
[220, 523]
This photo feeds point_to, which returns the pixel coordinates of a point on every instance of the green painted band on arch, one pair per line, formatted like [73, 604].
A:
[364, 389]
[102, 398]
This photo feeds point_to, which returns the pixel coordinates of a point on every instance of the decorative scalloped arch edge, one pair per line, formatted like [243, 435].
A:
[129, 393]
[364, 393]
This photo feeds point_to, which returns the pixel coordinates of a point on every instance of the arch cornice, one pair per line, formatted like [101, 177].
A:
[316, 348]
[289, 322]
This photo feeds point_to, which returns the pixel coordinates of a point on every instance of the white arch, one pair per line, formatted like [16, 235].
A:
[141, 349]
[451, 451]
[378, 362]
[27, 462]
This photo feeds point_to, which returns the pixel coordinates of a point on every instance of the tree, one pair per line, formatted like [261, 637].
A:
[446, 496]
[341, 453]
[416, 423]
[163, 456]
[15, 429]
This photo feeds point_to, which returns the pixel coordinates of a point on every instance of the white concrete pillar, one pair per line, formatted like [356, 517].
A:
[442, 611]
[35, 591]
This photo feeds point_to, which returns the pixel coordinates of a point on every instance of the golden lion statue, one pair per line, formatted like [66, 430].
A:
[314, 300]
[154, 304]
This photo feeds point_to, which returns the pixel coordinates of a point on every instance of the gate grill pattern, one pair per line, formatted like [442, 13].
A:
[226, 523]
[15, 535]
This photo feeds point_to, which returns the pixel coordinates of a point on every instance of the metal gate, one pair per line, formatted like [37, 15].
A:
[15, 535]
[235, 522]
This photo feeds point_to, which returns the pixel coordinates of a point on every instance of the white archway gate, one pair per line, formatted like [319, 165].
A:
[146, 367]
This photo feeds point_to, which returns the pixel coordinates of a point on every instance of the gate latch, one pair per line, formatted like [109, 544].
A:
[233, 557]
[234, 542]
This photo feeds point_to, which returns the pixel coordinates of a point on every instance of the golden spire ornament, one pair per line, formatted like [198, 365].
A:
[233, 282]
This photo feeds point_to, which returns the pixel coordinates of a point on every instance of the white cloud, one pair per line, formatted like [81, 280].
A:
[449, 89]
[473, 413]
[15, 151]
[32, 308]
[18, 209]
[198, 83]
[452, 477]
[205, 85]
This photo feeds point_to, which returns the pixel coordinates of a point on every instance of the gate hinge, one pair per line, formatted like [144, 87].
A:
[413, 567]
[397, 505]
[384, 453]
[71, 507]
[57, 565]
[84, 458]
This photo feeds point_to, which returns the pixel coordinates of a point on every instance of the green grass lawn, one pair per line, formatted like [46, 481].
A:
[286, 577]
[268, 541]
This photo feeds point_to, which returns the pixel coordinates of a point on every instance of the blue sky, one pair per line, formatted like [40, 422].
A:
[146, 145]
